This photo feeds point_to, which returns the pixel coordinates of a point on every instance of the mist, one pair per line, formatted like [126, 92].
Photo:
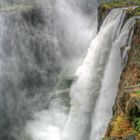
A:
[36, 46]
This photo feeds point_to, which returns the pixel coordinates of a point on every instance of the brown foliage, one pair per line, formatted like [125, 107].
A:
[121, 126]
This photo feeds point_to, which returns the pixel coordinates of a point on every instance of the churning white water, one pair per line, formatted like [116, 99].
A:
[93, 90]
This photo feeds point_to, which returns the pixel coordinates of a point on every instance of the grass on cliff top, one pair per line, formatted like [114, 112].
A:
[120, 3]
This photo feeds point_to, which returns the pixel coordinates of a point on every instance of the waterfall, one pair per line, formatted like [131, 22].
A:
[95, 83]
[103, 109]
[86, 88]
[58, 76]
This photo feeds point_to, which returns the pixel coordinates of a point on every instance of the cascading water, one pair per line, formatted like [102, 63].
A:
[103, 109]
[93, 86]
[41, 48]
[86, 88]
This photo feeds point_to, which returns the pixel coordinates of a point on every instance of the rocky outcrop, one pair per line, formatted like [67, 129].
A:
[125, 124]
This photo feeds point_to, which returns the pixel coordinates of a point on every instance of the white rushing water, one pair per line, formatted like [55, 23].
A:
[93, 91]
[86, 88]
[103, 110]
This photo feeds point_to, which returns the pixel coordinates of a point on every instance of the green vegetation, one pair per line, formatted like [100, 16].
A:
[137, 92]
[121, 3]
[114, 5]
[137, 124]
[137, 11]
[105, 8]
